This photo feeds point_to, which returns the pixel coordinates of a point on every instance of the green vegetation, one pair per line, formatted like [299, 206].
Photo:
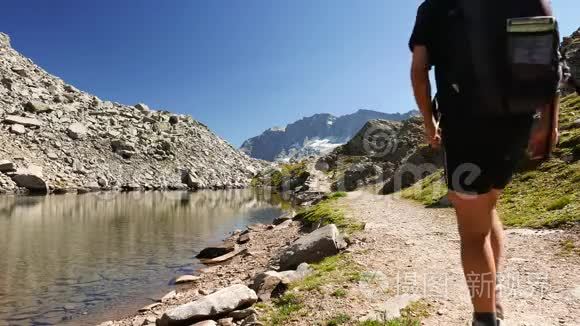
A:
[339, 293]
[548, 196]
[282, 310]
[288, 171]
[277, 177]
[336, 270]
[410, 316]
[329, 212]
[568, 247]
[428, 191]
[338, 320]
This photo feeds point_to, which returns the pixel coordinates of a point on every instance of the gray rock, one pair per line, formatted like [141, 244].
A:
[17, 129]
[77, 131]
[6, 166]
[218, 303]
[20, 71]
[31, 179]
[313, 247]
[226, 322]
[186, 279]
[300, 273]
[37, 107]
[142, 107]
[244, 238]
[284, 217]
[27, 122]
[266, 284]
[4, 40]
[241, 314]
[217, 251]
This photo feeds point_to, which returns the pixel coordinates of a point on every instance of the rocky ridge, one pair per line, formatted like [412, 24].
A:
[60, 139]
[570, 50]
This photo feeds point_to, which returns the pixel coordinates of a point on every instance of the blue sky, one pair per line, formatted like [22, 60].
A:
[238, 66]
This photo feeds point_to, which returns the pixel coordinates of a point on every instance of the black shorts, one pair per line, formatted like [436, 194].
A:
[481, 154]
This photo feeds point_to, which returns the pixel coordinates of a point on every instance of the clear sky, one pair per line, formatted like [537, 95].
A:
[240, 66]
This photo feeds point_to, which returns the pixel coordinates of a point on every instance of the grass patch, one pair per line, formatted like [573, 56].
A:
[282, 309]
[337, 270]
[339, 293]
[329, 212]
[410, 316]
[288, 171]
[428, 191]
[568, 248]
[338, 320]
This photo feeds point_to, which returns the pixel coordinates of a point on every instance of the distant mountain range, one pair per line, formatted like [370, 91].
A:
[313, 135]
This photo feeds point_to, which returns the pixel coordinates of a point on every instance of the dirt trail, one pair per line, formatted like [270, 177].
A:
[418, 251]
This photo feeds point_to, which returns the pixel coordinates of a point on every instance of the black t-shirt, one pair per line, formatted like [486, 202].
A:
[423, 25]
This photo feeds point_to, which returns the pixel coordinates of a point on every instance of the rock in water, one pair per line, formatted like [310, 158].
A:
[216, 304]
[77, 131]
[313, 247]
[31, 179]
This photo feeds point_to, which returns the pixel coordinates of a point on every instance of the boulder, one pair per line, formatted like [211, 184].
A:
[77, 131]
[27, 122]
[31, 179]
[217, 251]
[313, 247]
[214, 305]
[20, 71]
[17, 129]
[268, 284]
[271, 283]
[6, 166]
[37, 107]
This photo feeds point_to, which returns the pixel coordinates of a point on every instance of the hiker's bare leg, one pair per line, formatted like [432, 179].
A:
[475, 220]
[497, 235]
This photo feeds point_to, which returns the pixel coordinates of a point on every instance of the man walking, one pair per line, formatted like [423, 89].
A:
[488, 93]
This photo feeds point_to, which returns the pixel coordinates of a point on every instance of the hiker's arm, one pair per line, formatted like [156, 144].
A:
[422, 91]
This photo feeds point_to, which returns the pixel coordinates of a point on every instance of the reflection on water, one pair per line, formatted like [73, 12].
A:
[61, 256]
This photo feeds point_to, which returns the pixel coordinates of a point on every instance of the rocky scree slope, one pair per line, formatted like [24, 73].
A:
[54, 137]
[315, 135]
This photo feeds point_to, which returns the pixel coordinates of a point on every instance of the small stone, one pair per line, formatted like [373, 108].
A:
[37, 107]
[225, 322]
[241, 314]
[27, 122]
[142, 107]
[20, 71]
[77, 131]
[150, 306]
[186, 279]
[205, 323]
[17, 129]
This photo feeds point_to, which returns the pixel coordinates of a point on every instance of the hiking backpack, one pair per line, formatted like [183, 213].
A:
[500, 56]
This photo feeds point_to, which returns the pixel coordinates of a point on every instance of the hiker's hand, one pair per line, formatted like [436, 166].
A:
[432, 134]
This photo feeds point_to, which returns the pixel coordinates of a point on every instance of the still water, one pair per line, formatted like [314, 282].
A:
[63, 258]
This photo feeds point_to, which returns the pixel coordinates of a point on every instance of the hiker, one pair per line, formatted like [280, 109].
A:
[493, 74]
